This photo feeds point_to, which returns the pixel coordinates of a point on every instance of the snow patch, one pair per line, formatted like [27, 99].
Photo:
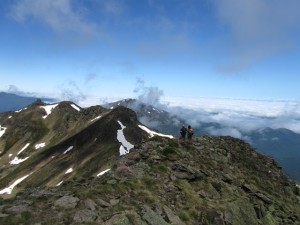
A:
[125, 145]
[103, 172]
[41, 145]
[48, 109]
[20, 110]
[69, 149]
[2, 130]
[10, 155]
[153, 133]
[26, 146]
[9, 189]
[70, 170]
[98, 117]
[59, 183]
[75, 107]
[16, 160]
[9, 117]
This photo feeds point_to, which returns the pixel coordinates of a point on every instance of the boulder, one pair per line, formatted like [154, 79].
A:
[85, 216]
[67, 202]
[152, 217]
[174, 220]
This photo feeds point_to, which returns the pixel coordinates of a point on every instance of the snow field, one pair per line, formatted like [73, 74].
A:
[48, 109]
[153, 133]
[125, 145]
[10, 188]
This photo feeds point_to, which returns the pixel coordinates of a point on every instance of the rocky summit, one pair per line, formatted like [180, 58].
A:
[214, 180]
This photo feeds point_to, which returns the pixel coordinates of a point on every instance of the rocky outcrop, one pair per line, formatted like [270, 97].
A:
[213, 181]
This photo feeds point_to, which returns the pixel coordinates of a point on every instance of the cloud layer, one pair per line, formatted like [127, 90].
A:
[259, 29]
[238, 115]
[59, 15]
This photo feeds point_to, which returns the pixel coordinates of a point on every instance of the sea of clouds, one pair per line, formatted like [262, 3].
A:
[238, 115]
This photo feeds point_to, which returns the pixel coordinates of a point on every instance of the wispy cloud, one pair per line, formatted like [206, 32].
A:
[113, 7]
[70, 91]
[149, 95]
[59, 15]
[89, 77]
[15, 90]
[259, 29]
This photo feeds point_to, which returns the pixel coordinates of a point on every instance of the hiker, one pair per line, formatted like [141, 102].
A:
[183, 131]
[190, 133]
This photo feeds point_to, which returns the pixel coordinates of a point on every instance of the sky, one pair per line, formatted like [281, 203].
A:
[86, 50]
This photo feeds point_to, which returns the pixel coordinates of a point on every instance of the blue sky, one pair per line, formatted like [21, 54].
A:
[191, 48]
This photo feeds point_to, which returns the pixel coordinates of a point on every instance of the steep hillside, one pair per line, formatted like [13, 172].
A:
[215, 180]
[48, 144]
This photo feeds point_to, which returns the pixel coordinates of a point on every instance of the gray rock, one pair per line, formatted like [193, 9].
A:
[185, 172]
[85, 216]
[209, 192]
[2, 215]
[90, 204]
[175, 220]
[114, 202]
[17, 209]
[263, 198]
[102, 203]
[119, 219]
[67, 202]
[112, 181]
[152, 217]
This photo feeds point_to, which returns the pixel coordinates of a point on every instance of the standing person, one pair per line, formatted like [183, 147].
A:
[190, 133]
[183, 131]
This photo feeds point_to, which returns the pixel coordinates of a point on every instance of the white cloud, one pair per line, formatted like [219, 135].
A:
[113, 7]
[238, 114]
[148, 95]
[259, 29]
[70, 91]
[57, 14]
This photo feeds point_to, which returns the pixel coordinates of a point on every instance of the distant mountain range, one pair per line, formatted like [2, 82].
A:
[13, 102]
[63, 164]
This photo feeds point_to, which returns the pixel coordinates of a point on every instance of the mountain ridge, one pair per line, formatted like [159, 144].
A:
[98, 165]
[59, 137]
[214, 180]
[281, 144]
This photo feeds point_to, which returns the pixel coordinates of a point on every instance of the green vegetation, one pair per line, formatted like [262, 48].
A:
[13, 139]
